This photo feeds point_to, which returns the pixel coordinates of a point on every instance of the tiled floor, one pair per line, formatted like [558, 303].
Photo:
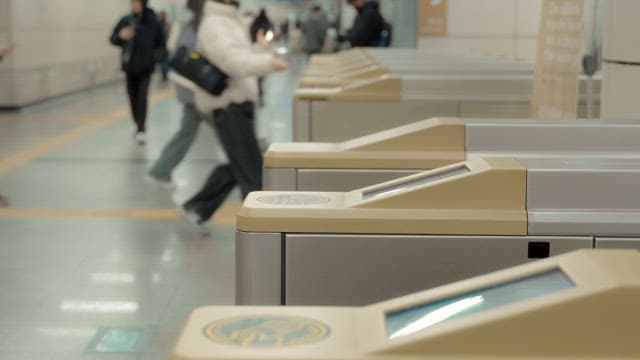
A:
[86, 244]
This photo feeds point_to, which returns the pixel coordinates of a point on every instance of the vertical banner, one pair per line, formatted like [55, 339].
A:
[433, 17]
[555, 86]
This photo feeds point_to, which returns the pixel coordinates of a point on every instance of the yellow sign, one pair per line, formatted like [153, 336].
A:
[555, 86]
[433, 17]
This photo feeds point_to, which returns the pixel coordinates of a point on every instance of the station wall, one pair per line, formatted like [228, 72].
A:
[60, 46]
[497, 27]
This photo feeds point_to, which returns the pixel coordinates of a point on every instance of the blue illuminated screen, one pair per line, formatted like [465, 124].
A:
[410, 321]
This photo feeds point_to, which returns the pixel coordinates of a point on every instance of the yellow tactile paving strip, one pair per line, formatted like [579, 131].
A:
[93, 125]
[225, 216]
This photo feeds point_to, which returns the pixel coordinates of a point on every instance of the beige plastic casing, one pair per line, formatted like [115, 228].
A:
[567, 323]
[383, 88]
[426, 144]
[334, 79]
[342, 58]
[490, 199]
[598, 319]
[331, 70]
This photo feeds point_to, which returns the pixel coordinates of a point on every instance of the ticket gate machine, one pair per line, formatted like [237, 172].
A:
[363, 107]
[397, 60]
[436, 142]
[575, 306]
[326, 77]
[336, 79]
[407, 62]
[428, 229]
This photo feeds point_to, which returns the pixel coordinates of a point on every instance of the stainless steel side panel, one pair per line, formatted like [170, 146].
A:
[575, 198]
[258, 268]
[302, 120]
[543, 138]
[618, 243]
[279, 179]
[363, 269]
[495, 109]
[344, 179]
[594, 223]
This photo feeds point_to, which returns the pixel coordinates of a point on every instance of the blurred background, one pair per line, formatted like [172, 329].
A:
[59, 45]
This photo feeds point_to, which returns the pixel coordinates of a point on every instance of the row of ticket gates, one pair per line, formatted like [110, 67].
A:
[549, 210]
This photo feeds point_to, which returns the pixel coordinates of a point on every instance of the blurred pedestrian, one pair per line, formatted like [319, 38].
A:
[165, 24]
[368, 25]
[4, 202]
[314, 31]
[223, 40]
[176, 149]
[142, 40]
[260, 24]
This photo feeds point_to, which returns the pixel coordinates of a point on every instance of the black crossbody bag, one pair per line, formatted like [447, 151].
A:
[193, 66]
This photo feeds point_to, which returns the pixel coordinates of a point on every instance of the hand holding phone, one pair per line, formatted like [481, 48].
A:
[127, 33]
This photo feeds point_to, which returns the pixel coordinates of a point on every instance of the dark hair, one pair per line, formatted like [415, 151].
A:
[316, 8]
[197, 8]
[263, 14]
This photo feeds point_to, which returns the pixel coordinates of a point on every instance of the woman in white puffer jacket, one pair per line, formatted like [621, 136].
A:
[224, 40]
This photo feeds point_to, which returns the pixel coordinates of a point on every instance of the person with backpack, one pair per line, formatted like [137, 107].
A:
[176, 149]
[368, 25]
[141, 38]
[224, 41]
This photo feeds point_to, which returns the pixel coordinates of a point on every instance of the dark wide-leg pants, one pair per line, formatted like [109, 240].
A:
[235, 128]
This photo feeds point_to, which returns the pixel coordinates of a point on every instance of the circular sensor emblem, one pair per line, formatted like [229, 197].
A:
[267, 331]
[294, 199]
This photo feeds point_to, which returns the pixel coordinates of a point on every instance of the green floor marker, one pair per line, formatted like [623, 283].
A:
[121, 340]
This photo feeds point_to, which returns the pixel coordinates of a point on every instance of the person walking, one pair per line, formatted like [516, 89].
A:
[142, 40]
[223, 40]
[4, 202]
[315, 31]
[368, 25]
[176, 149]
[261, 24]
[165, 24]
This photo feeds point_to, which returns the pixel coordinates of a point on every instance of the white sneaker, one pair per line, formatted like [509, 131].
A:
[163, 184]
[195, 221]
[141, 138]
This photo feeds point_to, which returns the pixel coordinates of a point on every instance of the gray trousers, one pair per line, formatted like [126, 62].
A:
[235, 129]
[173, 153]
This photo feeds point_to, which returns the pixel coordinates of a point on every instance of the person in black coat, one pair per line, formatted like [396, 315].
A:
[143, 43]
[261, 24]
[368, 25]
